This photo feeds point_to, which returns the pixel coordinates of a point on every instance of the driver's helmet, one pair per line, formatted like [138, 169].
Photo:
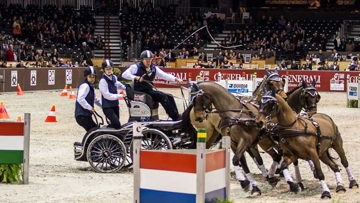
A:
[146, 54]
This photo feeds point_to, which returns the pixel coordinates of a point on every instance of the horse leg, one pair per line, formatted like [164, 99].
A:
[338, 147]
[315, 159]
[284, 166]
[267, 146]
[211, 139]
[245, 184]
[255, 155]
[326, 159]
[255, 190]
[298, 175]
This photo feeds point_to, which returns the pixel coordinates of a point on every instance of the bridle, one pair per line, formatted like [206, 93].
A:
[206, 109]
[314, 94]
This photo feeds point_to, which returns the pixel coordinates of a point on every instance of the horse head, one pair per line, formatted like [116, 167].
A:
[201, 105]
[267, 105]
[274, 81]
[310, 97]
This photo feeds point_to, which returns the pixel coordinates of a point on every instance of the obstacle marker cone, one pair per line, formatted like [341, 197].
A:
[121, 92]
[51, 118]
[3, 112]
[64, 92]
[18, 119]
[72, 94]
[19, 90]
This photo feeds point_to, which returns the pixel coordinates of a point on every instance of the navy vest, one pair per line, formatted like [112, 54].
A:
[90, 97]
[112, 89]
[149, 75]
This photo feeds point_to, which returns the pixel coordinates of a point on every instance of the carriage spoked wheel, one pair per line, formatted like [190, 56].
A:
[106, 153]
[153, 139]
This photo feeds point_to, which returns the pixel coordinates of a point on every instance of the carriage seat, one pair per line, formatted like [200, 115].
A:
[140, 96]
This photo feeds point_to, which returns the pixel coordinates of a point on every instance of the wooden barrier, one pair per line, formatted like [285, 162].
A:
[179, 176]
[15, 145]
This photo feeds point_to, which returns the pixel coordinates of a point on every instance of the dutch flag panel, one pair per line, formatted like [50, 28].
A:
[168, 176]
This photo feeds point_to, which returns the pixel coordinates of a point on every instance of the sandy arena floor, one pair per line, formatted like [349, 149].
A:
[56, 177]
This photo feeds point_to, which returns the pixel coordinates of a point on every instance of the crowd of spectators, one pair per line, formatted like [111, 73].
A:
[37, 33]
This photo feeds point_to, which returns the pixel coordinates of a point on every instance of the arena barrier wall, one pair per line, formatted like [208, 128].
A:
[57, 78]
[179, 176]
[15, 144]
[40, 78]
[352, 92]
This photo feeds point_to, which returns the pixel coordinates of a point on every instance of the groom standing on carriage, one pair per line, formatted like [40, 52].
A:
[143, 75]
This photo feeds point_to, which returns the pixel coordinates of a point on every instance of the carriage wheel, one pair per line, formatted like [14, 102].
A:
[106, 154]
[153, 139]
[128, 161]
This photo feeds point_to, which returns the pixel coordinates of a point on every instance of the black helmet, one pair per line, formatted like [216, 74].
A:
[89, 71]
[146, 54]
[107, 63]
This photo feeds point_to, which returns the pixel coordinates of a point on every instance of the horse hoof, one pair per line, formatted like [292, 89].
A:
[273, 181]
[255, 191]
[353, 184]
[326, 195]
[340, 189]
[245, 185]
[294, 187]
[301, 186]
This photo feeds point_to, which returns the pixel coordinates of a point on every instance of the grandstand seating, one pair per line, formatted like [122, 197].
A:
[50, 13]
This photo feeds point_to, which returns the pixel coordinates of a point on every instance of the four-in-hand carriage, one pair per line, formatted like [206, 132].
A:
[109, 150]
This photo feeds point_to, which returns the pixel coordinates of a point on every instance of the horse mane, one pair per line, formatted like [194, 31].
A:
[282, 102]
[293, 90]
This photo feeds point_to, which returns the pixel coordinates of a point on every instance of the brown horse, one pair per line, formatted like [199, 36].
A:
[302, 97]
[232, 113]
[305, 138]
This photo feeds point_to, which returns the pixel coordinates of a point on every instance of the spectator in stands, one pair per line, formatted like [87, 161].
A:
[337, 43]
[99, 42]
[315, 4]
[10, 55]
[334, 66]
[350, 47]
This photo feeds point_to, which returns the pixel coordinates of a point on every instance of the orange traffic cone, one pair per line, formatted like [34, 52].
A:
[51, 118]
[18, 119]
[121, 92]
[3, 112]
[72, 94]
[19, 90]
[64, 92]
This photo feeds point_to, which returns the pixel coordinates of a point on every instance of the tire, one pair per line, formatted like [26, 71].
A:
[106, 150]
[151, 136]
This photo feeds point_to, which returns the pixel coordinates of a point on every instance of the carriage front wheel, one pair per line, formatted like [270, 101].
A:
[106, 153]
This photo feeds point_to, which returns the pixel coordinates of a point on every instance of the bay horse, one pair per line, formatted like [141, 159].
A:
[305, 138]
[232, 112]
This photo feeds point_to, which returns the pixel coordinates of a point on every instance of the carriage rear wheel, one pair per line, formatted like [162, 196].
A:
[153, 139]
[106, 153]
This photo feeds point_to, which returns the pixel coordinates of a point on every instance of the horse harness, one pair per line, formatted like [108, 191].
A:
[284, 132]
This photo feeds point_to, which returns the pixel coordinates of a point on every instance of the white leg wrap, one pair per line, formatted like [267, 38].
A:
[311, 164]
[287, 175]
[324, 186]
[273, 168]
[350, 175]
[338, 178]
[297, 174]
[251, 179]
[279, 166]
[263, 170]
[239, 175]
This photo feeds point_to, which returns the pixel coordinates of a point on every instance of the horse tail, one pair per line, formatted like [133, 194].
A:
[187, 126]
[331, 157]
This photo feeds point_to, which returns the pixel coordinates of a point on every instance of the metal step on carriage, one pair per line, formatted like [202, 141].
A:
[109, 150]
